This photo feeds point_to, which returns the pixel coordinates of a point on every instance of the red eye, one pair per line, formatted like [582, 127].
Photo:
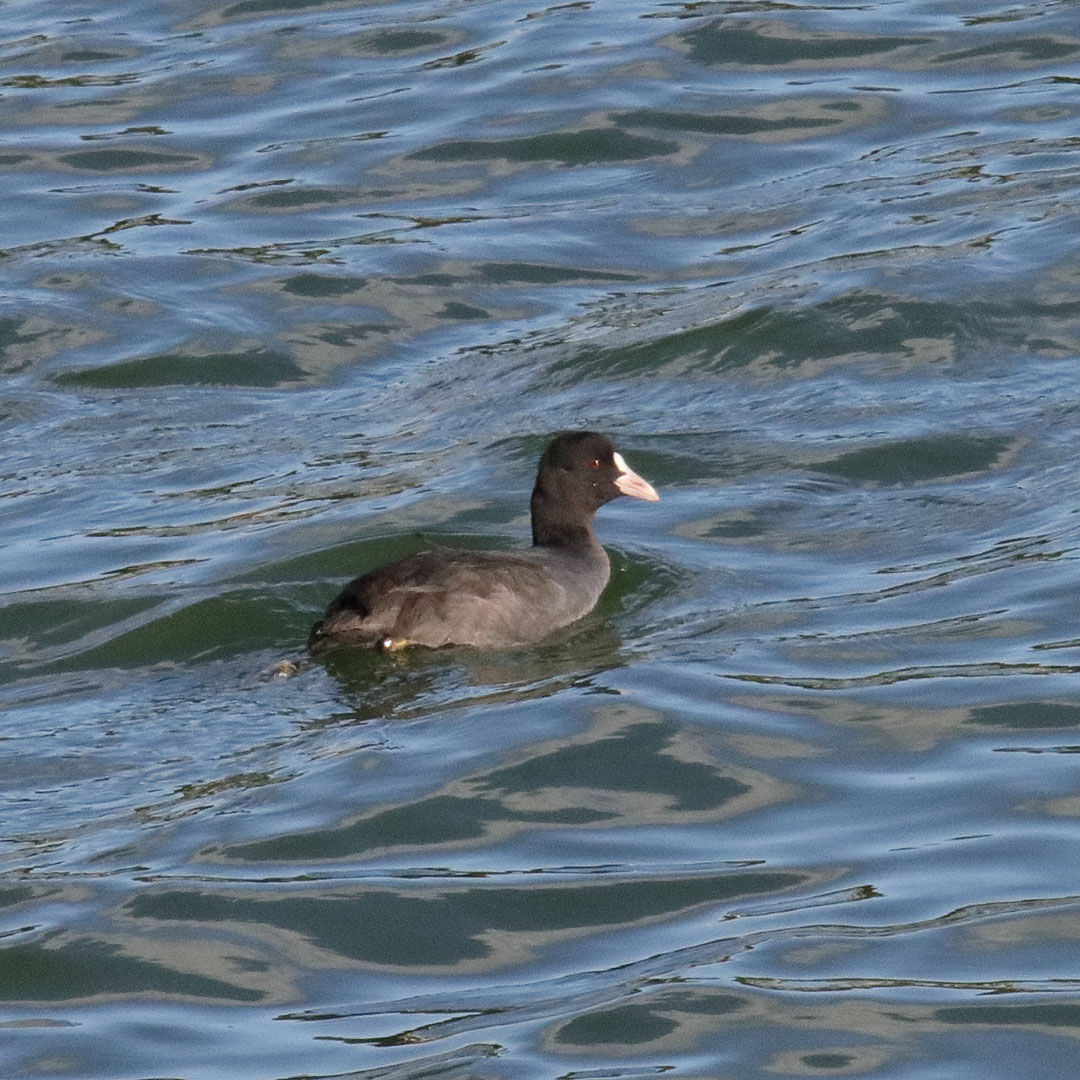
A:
[594, 464]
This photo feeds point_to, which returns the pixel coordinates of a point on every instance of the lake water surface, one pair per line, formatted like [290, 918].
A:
[292, 287]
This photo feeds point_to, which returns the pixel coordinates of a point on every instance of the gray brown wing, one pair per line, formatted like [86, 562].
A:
[464, 598]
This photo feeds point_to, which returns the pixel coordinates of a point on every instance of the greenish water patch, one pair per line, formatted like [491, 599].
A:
[462, 311]
[297, 198]
[88, 56]
[231, 624]
[321, 286]
[853, 328]
[255, 368]
[627, 1025]
[630, 1024]
[15, 333]
[41, 82]
[1022, 715]
[42, 624]
[726, 41]
[511, 273]
[119, 159]
[87, 968]
[1032, 50]
[272, 7]
[634, 760]
[452, 926]
[438, 820]
[576, 781]
[827, 1062]
[741, 528]
[1044, 1014]
[11, 896]
[910, 461]
[723, 124]
[568, 148]
[402, 40]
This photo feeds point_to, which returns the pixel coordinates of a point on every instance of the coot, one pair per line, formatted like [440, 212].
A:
[496, 598]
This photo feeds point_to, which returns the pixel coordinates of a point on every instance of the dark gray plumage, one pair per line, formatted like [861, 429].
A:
[490, 599]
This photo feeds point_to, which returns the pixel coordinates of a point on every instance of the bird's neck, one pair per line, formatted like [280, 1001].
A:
[562, 535]
[553, 525]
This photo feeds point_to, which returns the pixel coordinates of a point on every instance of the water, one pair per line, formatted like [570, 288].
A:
[293, 287]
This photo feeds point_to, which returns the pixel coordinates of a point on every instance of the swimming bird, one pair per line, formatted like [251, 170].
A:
[493, 599]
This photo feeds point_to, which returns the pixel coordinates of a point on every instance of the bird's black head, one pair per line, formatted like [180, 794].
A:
[578, 473]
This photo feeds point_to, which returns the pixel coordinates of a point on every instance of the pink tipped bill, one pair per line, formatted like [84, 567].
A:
[629, 483]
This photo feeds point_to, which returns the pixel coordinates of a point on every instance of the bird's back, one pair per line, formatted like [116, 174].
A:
[482, 598]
